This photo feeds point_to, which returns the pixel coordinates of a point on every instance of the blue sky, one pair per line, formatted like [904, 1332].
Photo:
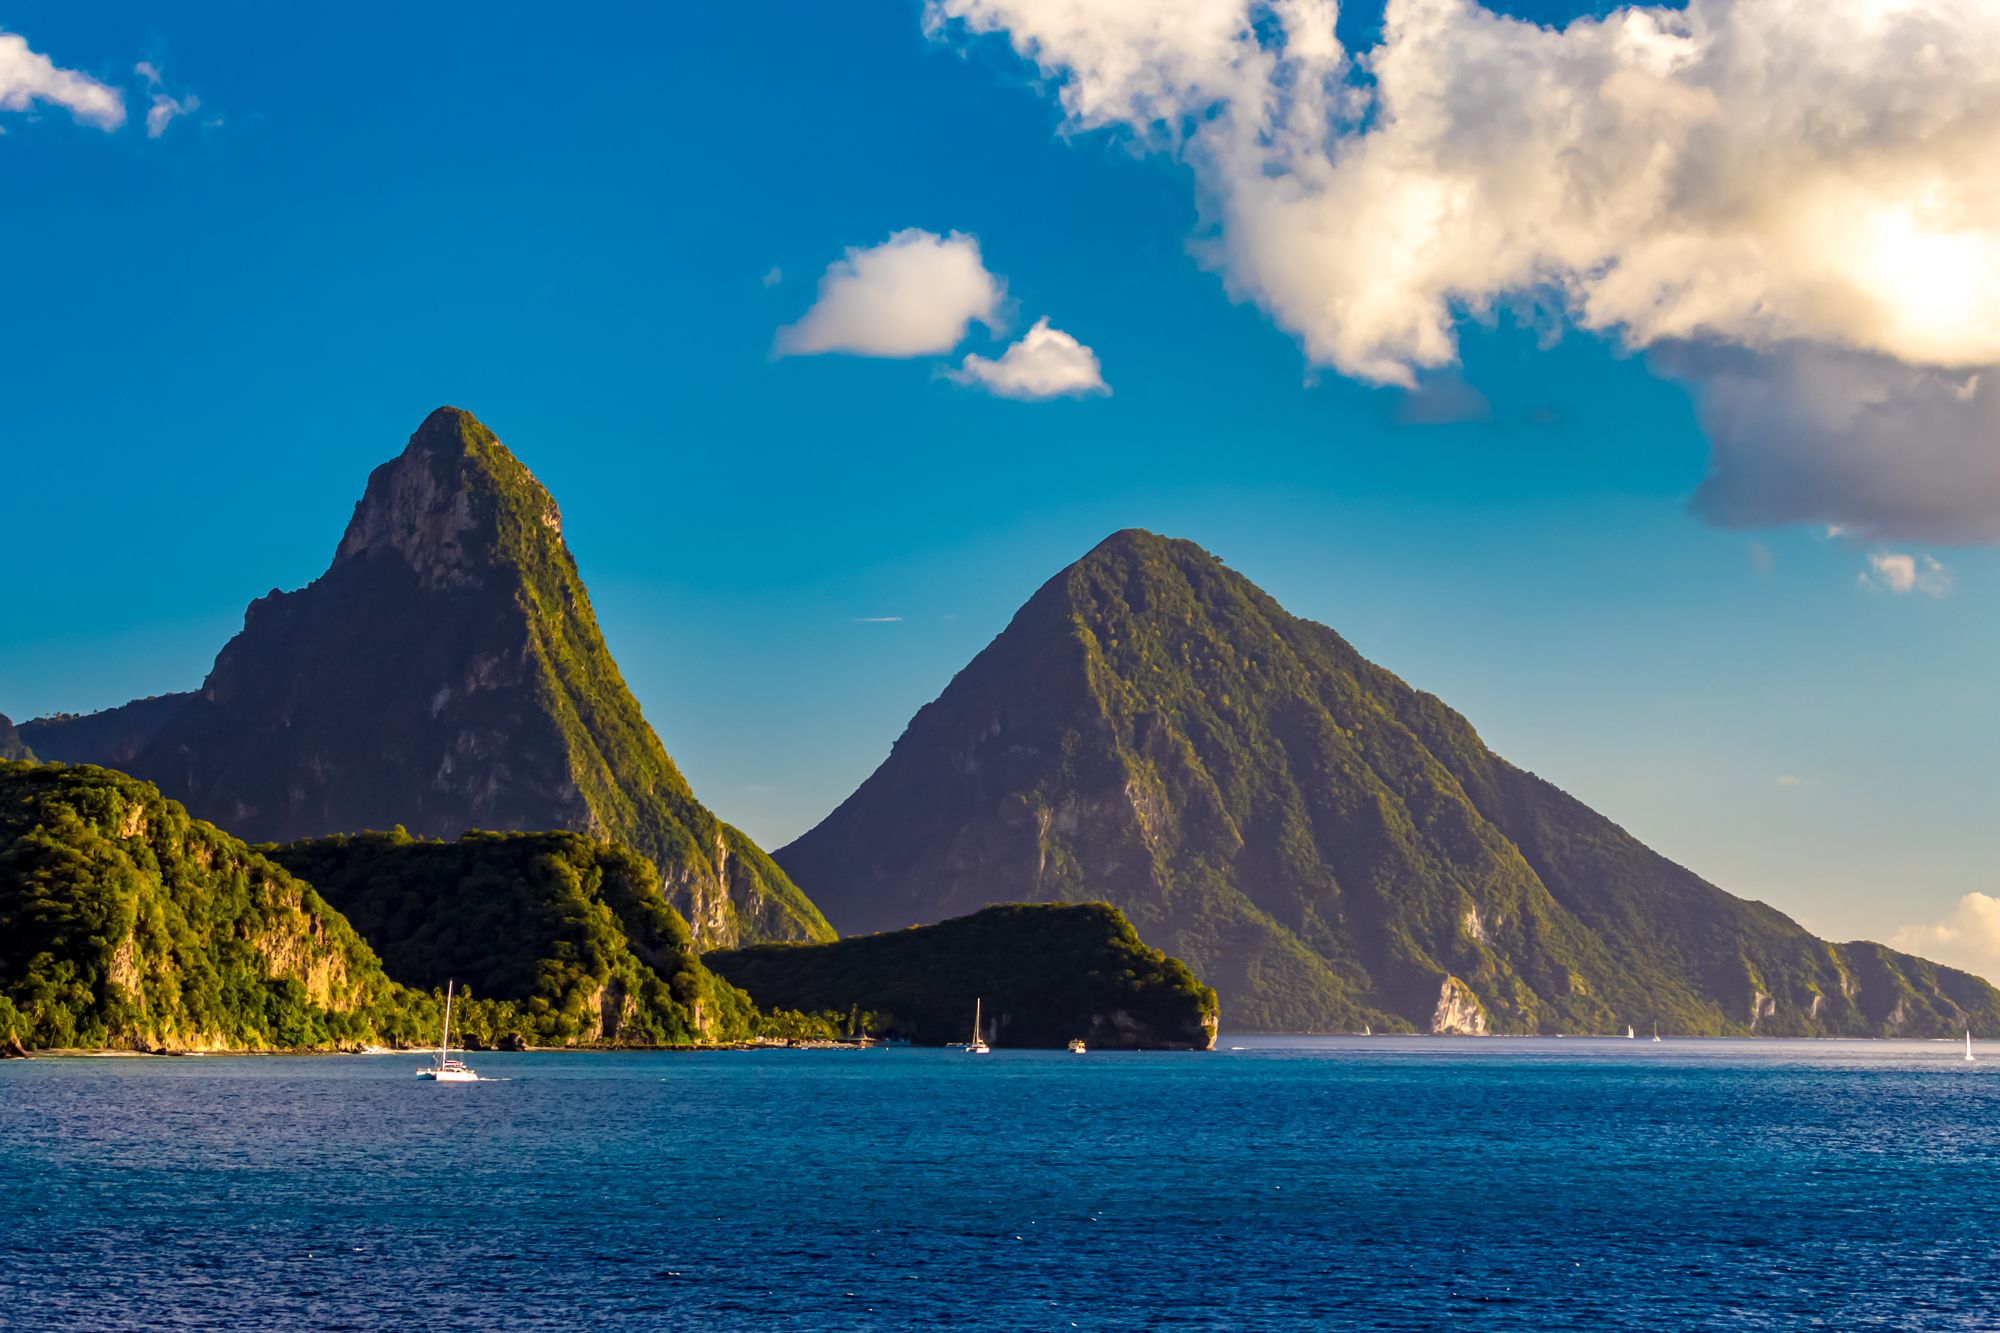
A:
[569, 226]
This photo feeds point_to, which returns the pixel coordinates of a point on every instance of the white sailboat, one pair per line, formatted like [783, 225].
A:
[1968, 1045]
[1656, 1031]
[977, 1046]
[445, 1069]
[1630, 1035]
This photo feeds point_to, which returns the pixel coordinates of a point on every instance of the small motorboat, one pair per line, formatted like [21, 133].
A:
[1076, 1046]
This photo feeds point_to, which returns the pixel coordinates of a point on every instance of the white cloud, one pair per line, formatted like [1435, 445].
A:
[1796, 178]
[1790, 780]
[913, 295]
[27, 77]
[877, 620]
[773, 276]
[165, 110]
[1045, 363]
[1900, 573]
[1968, 938]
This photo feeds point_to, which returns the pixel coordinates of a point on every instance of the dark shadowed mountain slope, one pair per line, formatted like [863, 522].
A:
[113, 737]
[1328, 847]
[445, 673]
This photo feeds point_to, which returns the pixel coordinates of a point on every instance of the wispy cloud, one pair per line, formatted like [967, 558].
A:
[1969, 937]
[913, 295]
[1790, 780]
[165, 109]
[876, 620]
[1902, 573]
[1045, 363]
[28, 77]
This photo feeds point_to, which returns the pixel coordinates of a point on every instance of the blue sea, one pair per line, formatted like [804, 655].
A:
[1275, 1183]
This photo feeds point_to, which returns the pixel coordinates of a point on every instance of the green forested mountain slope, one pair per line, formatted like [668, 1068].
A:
[1041, 974]
[124, 923]
[569, 940]
[445, 673]
[1330, 848]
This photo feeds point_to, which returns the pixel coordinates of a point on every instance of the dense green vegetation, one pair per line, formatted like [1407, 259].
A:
[563, 940]
[1044, 974]
[124, 923]
[1331, 848]
[447, 672]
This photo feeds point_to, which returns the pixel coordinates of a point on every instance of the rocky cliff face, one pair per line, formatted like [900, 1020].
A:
[11, 744]
[445, 673]
[1330, 848]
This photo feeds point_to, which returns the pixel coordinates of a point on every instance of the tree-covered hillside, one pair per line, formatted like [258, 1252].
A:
[1043, 974]
[125, 923]
[564, 939]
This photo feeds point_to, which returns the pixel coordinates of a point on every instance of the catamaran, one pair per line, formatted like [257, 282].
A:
[977, 1046]
[445, 1069]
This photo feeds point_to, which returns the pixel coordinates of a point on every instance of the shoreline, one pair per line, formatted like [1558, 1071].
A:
[1221, 1045]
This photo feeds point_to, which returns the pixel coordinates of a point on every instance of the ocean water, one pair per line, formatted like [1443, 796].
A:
[1294, 1183]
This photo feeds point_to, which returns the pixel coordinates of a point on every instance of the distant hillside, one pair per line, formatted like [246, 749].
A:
[1043, 974]
[445, 673]
[112, 738]
[11, 744]
[1331, 848]
[568, 940]
[124, 923]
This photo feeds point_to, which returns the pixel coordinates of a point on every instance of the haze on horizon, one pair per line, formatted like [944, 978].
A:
[1681, 481]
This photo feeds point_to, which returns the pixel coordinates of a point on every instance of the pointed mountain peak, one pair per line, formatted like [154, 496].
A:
[454, 501]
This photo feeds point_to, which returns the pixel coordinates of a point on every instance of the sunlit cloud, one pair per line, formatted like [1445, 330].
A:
[1901, 573]
[1656, 175]
[913, 295]
[1969, 937]
[1045, 363]
[27, 77]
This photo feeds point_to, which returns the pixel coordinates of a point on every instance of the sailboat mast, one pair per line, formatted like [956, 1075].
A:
[444, 1042]
[975, 1021]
